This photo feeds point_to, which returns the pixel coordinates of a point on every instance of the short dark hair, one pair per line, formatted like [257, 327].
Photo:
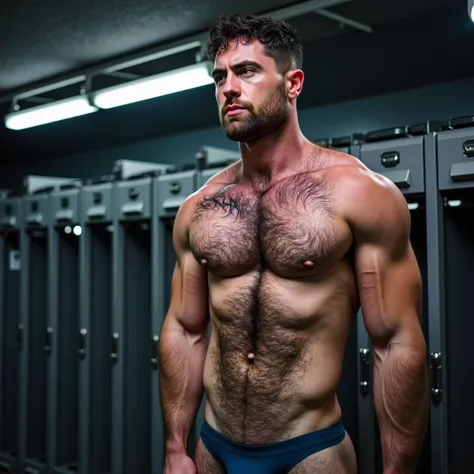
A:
[280, 39]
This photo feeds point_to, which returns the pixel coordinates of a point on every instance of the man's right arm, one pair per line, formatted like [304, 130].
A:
[182, 348]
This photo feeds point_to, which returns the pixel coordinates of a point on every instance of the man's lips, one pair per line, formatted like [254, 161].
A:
[233, 110]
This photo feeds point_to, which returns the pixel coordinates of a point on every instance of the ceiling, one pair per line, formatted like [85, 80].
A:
[414, 42]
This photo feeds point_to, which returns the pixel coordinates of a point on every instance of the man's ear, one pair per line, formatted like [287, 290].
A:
[294, 83]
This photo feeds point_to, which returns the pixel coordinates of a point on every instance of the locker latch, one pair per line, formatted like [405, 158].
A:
[468, 148]
[82, 343]
[390, 159]
[154, 351]
[19, 337]
[364, 385]
[114, 351]
[49, 342]
[436, 367]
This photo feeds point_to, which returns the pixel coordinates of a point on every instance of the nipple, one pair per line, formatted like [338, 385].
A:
[203, 261]
[251, 356]
[308, 264]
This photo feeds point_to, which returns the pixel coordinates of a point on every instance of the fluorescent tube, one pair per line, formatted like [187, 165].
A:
[470, 7]
[170, 82]
[53, 112]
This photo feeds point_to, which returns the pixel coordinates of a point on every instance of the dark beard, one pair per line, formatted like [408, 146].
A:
[272, 114]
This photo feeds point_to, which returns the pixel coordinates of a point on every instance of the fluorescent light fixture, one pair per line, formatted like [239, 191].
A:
[470, 9]
[178, 80]
[53, 112]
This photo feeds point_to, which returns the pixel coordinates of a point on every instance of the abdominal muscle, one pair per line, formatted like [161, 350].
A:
[274, 361]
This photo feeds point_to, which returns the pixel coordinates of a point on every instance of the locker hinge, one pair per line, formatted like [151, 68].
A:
[436, 367]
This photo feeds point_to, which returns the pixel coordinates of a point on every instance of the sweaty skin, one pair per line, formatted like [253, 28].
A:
[279, 270]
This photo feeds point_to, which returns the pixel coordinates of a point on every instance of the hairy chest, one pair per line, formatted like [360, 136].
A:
[291, 229]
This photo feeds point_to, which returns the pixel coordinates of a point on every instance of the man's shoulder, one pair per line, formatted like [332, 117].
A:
[368, 201]
[349, 177]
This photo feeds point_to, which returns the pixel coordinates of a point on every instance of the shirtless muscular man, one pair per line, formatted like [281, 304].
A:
[277, 253]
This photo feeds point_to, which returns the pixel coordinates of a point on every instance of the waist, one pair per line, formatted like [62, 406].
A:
[329, 434]
[259, 421]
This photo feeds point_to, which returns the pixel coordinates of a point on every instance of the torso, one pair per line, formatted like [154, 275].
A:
[281, 288]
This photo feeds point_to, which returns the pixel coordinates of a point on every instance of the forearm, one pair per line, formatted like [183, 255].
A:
[181, 358]
[401, 404]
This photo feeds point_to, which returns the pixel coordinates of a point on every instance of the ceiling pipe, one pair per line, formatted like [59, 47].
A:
[344, 20]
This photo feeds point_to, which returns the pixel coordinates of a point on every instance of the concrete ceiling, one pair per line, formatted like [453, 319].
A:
[414, 42]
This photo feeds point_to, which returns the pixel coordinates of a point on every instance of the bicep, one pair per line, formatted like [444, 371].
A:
[189, 293]
[189, 290]
[386, 266]
[389, 290]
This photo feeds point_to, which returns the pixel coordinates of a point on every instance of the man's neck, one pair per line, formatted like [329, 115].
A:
[273, 156]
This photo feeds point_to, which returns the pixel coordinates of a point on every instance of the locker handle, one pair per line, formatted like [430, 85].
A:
[96, 211]
[114, 351]
[132, 208]
[154, 351]
[173, 203]
[34, 218]
[402, 178]
[436, 367]
[9, 221]
[364, 385]
[19, 337]
[82, 343]
[462, 171]
[65, 215]
[48, 343]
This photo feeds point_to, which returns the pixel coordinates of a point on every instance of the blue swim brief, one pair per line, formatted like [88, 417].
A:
[276, 458]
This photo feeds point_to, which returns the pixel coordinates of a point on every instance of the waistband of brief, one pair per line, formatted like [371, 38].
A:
[320, 438]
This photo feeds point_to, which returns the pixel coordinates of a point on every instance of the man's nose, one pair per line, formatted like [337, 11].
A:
[231, 87]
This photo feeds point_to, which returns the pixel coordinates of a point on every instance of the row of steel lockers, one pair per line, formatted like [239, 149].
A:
[85, 282]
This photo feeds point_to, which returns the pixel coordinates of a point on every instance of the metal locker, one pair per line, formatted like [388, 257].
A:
[211, 161]
[399, 154]
[131, 326]
[63, 323]
[345, 144]
[34, 310]
[170, 192]
[95, 326]
[36, 336]
[10, 258]
[453, 262]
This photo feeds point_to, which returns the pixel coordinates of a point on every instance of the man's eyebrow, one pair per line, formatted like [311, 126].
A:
[242, 64]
